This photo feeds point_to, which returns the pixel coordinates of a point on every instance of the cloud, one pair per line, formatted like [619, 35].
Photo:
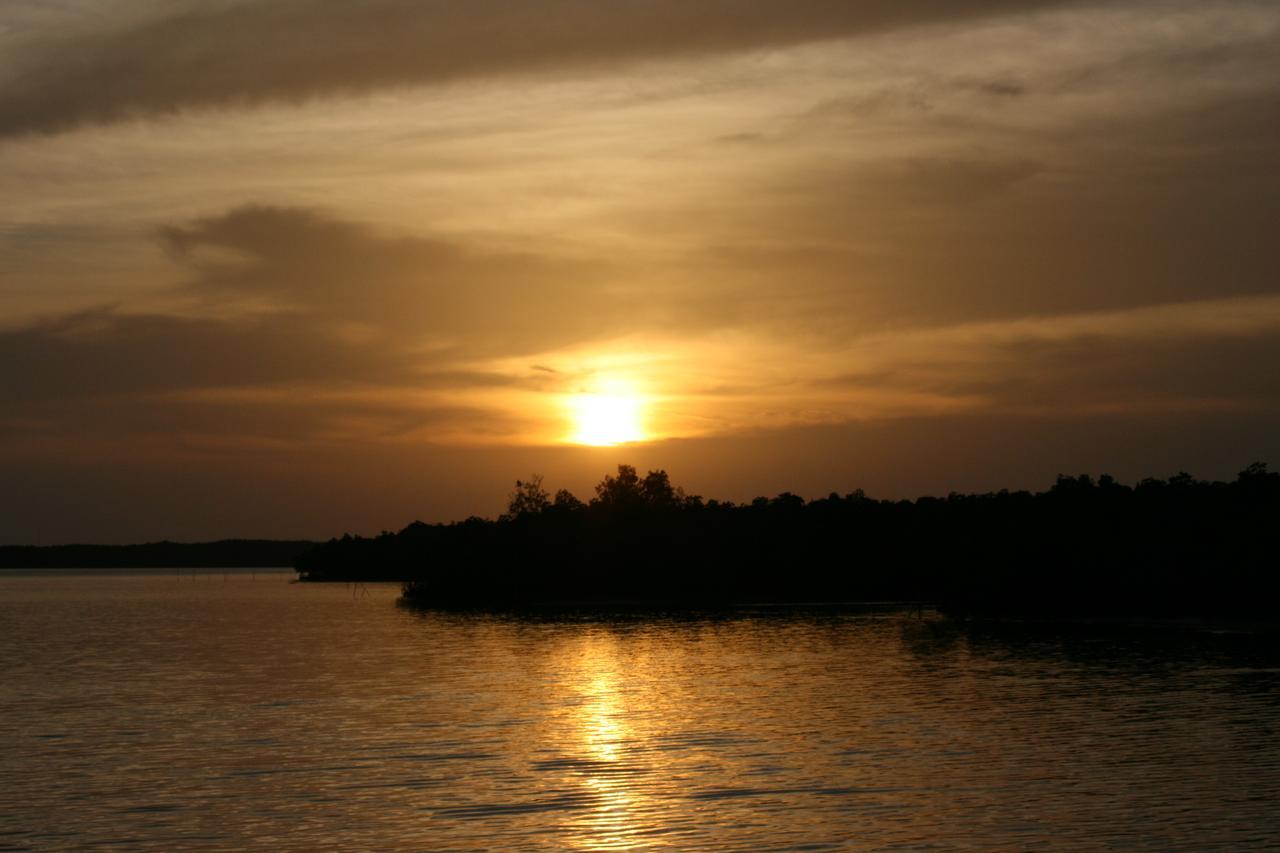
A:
[1097, 214]
[292, 325]
[1128, 375]
[247, 383]
[103, 352]
[420, 292]
[236, 54]
[1001, 88]
[1181, 356]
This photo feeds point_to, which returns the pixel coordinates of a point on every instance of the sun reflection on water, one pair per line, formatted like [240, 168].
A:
[503, 733]
[604, 733]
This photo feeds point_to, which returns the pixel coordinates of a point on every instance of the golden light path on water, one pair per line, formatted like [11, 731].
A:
[242, 711]
[604, 732]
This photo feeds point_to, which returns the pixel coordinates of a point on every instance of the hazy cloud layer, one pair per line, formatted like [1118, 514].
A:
[231, 54]
[309, 324]
[104, 352]
[308, 328]
[1181, 356]
[1172, 207]
[421, 293]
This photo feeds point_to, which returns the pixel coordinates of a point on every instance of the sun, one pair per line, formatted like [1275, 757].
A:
[603, 420]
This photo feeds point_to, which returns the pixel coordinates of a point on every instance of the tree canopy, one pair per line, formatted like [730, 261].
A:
[1162, 545]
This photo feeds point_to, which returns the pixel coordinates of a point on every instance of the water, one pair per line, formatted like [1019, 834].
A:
[166, 711]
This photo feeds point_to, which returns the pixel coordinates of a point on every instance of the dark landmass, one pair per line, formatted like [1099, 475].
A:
[1162, 548]
[226, 554]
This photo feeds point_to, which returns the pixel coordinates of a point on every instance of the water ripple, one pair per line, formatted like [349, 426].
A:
[153, 714]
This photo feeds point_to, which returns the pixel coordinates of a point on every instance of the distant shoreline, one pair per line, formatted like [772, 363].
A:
[220, 554]
[143, 570]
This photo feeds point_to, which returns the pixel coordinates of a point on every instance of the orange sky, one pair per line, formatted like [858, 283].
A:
[294, 267]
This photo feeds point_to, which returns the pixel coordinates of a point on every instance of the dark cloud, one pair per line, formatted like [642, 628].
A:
[911, 98]
[416, 291]
[1108, 214]
[103, 353]
[287, 421]
[1090, 372]
[1230, 61]
[232, 54]
[289, 310]
[1001, 88]
[271, 383]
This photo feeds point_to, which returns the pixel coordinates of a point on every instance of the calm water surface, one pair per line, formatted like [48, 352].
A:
[164, 711]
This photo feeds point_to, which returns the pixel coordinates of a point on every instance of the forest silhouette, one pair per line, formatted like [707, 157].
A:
[1175, 547]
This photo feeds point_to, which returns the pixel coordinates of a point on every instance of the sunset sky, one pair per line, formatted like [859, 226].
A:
[296, 267]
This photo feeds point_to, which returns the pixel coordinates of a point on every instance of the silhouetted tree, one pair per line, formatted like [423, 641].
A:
[620, 492]
[566, 502]
[1177, 546]
[528, 499]
[657, 491]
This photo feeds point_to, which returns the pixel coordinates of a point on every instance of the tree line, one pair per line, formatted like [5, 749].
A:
[1161, 547]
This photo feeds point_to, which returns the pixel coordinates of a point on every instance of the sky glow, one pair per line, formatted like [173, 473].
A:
[905, 247]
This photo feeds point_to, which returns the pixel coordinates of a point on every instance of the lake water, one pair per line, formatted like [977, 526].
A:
[166, 711]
